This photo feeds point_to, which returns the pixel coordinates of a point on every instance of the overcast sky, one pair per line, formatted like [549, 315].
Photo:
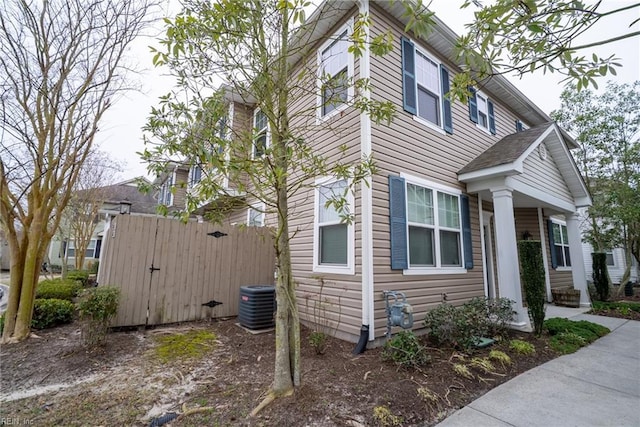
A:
[121, 135]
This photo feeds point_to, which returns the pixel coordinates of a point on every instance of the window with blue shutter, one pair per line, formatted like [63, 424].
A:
[466, 232]
[519, 126]
[398, 223]
[481, 111]
[424, 83]
[430, 228]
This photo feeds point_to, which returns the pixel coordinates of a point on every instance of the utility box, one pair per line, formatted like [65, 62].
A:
[257, 305]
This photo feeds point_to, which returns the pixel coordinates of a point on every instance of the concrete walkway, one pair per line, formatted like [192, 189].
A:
[599, 385]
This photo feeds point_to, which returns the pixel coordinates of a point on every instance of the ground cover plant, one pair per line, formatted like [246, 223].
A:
[621, 309]
[568, 336]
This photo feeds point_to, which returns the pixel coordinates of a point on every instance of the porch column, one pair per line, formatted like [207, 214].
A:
[507, 255]
[577, 259]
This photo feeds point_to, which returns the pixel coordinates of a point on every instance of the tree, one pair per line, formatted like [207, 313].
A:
[61, 64]
[260, 49]
[79, 219]
[607, 129]
[519, 37]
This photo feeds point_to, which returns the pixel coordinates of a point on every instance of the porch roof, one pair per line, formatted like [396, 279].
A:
[506, 158]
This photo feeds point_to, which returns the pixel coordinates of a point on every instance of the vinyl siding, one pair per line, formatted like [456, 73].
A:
[180, 188]
[616, 271]
[545, 176]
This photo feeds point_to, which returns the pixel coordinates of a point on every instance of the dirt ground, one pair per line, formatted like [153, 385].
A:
[51, 380]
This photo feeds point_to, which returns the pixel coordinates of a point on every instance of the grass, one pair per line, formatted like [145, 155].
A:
[522, 347]
[567, 336]
[190, 345]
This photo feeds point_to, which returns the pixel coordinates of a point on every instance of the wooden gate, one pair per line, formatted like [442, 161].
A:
[166, 269]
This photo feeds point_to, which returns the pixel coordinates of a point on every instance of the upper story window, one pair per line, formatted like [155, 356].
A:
[261, 129]
[195, 175]
[430, 227]
[165, 196]
[559, 244]
[481, 111]
[333, 237]
[520, 126]
[425, 83]
[335, 71]
[610, 258]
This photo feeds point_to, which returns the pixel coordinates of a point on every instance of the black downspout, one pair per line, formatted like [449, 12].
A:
[362, 343]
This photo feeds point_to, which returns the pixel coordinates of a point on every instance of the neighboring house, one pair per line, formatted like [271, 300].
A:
[115, 195]
[616, 263]
[457, 184]
[5, 255]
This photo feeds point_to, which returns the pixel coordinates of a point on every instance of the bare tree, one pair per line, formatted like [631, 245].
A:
[80, 217]
[61, 62]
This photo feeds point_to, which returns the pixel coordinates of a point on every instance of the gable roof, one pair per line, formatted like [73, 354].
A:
[141, 203]
[507, 156]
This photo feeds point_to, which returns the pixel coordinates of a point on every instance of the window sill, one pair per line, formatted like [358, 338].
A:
[429, 124]
[334, 269]
[563, 268]
[434, 271]
[331, 114]
[484, 129]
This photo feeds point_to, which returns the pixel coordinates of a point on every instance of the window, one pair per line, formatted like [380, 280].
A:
[425, 83]
[430, 227]
[92, 251]
[335, 70]
[481, 111]
[520, 126]
[261, 127]
[333, 237]
[255, 216]
[560, 244]
[610, 259]
[165, 196]
[195, 175]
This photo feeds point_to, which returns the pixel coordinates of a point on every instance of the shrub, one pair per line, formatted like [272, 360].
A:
[623, 306]
[97, 307]
[80, 275]
[1, 323]
[58, 289]
[404, 349]
[93, 267]
[319, 341]
[600, 276]
[461, 327]
[532, 275]
[51, 312]
[500, 356]
[522, 347]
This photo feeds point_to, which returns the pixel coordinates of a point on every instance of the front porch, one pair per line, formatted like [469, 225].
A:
[528, 188]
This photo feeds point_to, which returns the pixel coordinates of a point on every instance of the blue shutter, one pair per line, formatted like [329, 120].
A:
[473, 105]
[409, 76]
[398, 223]
[96, 253]
[466, 232]
[519, 127]
[492, 118]
[552, 248]
[446, 102]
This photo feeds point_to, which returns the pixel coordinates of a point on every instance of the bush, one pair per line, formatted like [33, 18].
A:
[522, 347]
[80, 275]
[532, 275]
[97, 307]
[404, 349]
[567, 336]
[93, 267]
[51, 312]
[600, 275]
[461, 327]
[602, 305]
[58, 289]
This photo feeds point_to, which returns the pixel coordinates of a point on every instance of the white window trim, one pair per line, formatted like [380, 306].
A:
[256, 207]
[436, 187]
[438, 63]
[348, 27]
[561, 267]
[613, 256]
[71, 242]
[479, 93]
[334, 269]
[267, 143]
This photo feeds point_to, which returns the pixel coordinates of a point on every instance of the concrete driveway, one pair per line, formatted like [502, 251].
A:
[599, 385]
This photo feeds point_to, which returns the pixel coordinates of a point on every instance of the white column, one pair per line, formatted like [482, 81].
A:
[507, 255]
[577, 259]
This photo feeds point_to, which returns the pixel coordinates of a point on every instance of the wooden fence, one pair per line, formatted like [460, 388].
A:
[166, 269]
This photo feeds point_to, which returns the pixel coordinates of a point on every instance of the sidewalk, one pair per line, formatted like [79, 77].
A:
[599, 385]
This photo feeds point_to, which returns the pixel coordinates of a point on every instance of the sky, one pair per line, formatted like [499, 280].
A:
[121, 135]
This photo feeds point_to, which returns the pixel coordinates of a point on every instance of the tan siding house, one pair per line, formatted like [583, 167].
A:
[457, 184]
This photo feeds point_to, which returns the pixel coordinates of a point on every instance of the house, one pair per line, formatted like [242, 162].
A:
[457, 184]
[5, 254]
[115, 196]
[616, 262]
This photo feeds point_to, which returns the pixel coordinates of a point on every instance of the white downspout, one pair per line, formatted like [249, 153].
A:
[366, 191]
